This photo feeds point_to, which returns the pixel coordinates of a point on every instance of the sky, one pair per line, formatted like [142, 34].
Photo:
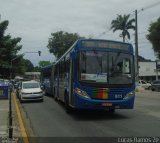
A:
[35, 20]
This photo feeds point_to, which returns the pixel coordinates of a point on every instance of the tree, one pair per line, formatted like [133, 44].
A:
[154, 36]
[28, 65]
[60, 42]
[37, 69]
[124, 24]
[8, 49]
[44, 63]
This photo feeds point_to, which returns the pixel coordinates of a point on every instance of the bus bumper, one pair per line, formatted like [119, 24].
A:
[87, 103]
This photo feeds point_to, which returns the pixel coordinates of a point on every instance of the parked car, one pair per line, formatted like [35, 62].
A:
[155, 85]
[16, 85]
[144, 84]
[30, 90]
[47, 87]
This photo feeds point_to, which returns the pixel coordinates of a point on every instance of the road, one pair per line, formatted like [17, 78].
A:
[49, 119]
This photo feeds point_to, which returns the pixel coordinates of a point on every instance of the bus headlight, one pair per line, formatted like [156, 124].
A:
[81, 92]
[130, 94]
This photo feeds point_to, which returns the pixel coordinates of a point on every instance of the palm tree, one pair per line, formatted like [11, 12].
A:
[123, 23]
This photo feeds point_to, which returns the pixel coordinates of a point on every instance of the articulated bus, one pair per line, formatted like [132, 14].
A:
[96, 74]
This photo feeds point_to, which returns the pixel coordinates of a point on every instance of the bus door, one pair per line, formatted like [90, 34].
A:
[61, 87]
[56, 81]
[71, 80]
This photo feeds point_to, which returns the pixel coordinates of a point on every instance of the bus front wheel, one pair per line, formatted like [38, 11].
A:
[111, 111]
[67, 107]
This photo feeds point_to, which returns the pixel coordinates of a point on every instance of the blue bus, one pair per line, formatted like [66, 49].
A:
[95, 74]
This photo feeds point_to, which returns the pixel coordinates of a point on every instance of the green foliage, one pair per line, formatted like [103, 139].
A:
[60, 42]
[8, 49]
[44, 63]
[37, 69]
[3, 27]
[124, 24]
[41, 64]
[28, 65]
[154, 36]
[20, 66]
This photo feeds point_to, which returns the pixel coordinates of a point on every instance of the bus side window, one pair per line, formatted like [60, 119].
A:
[62, 70]
[67, 67]
[56, 72]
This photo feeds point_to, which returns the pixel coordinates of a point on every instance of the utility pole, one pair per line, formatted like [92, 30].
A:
[136, 49]
[10, 115]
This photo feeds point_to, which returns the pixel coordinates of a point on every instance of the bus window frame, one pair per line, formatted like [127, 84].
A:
[95, 84]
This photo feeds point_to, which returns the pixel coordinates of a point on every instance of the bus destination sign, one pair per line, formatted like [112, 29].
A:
[105, 44]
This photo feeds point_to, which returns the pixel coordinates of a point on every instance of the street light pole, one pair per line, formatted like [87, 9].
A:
[10, 108]
[136, 49]
[10, 115]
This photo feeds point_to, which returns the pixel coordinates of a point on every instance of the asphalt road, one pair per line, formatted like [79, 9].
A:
[49, 119]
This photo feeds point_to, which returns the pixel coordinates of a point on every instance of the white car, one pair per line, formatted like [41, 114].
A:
[30, 90]
[144, 84]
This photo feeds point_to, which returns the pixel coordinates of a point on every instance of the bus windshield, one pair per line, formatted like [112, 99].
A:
[106, 67]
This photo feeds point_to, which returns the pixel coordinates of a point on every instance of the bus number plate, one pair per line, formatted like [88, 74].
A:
[106, 104]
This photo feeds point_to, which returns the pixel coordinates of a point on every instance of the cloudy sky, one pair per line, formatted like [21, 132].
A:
[35, 20]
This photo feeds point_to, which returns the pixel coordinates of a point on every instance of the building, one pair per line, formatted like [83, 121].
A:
[147, 71]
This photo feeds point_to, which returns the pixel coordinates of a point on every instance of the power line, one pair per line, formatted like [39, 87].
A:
[145, 8]
[142, 33]
[133, 14]
[140, 40]
[143, 38]
[150, 6]
[103, 33]
[144, 42]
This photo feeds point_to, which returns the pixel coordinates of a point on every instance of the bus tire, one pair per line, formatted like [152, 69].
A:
[111, 111]
[53, 93]
[67, 107]
[55, 98]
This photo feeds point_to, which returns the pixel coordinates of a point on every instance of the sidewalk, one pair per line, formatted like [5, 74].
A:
[4, 121]
[4, 110]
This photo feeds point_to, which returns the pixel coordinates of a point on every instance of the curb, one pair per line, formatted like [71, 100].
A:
[27, 133]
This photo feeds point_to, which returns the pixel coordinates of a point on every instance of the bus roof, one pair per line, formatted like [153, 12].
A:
[92, 40]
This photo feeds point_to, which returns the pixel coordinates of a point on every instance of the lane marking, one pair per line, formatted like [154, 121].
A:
[21, 124]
